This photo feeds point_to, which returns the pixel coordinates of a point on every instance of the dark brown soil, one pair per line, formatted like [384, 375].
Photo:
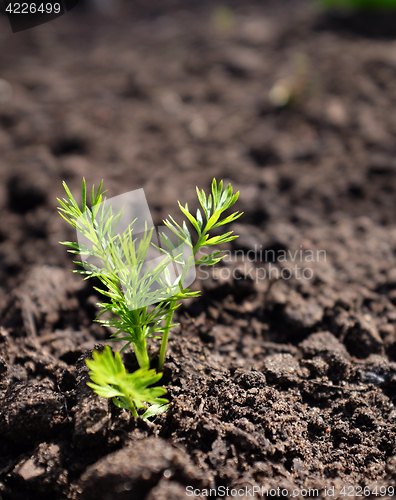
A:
[286, 383]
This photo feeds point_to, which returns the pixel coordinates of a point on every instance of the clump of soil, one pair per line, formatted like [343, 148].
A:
[283, 382]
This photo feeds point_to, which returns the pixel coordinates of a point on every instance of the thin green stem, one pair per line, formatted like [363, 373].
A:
[140, 346]
[165, 335]
[198, 245]
[131, 405]
[142, 354]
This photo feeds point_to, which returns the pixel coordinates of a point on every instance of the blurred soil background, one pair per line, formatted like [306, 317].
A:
[283, 383]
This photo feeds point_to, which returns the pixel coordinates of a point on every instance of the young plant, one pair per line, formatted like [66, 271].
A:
[141, 299]
[127, 390]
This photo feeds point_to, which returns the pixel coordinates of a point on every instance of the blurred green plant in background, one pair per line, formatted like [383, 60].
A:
[223, 20]
[294, 89]
[361, 5]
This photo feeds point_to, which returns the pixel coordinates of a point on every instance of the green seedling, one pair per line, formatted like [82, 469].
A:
[127, 390]
[136, 308]
[290, 91]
